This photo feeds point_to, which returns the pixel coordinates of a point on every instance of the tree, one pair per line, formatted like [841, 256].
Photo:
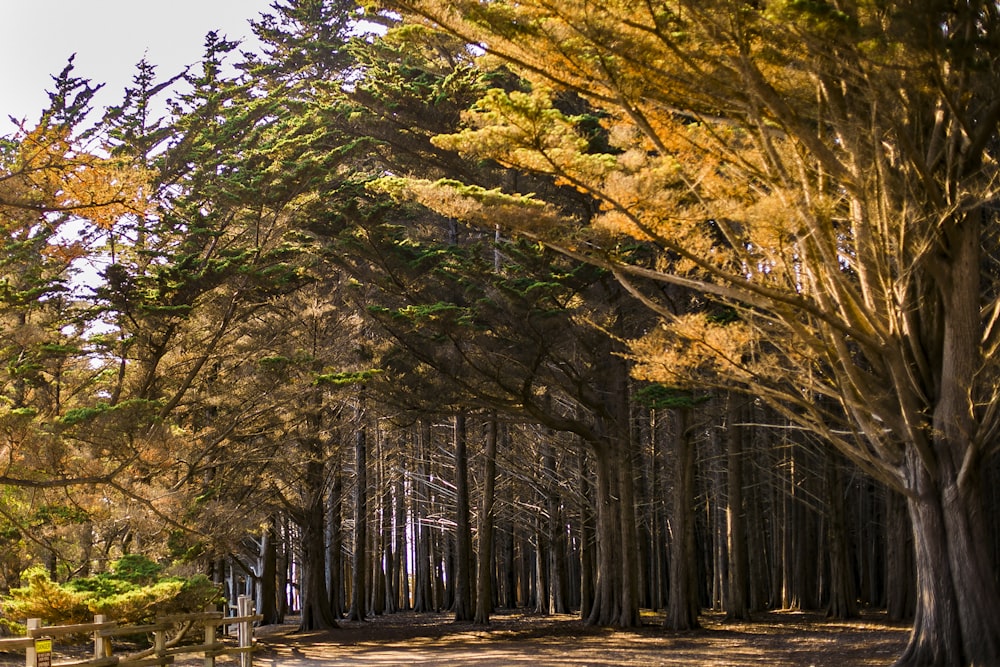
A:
[827, 172]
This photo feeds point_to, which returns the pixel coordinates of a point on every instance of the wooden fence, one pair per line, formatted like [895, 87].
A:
[37, 645]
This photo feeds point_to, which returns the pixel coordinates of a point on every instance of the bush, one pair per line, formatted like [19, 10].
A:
[42, 598]
[132, 593]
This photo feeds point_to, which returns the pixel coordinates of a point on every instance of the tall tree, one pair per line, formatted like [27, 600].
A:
[828, 171]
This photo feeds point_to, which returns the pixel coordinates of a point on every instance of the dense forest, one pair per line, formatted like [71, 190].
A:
[580, 307]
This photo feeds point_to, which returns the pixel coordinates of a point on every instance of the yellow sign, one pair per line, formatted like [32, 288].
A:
[43, 653]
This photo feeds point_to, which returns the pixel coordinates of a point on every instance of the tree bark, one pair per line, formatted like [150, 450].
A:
[359, 595]
[484, 584]
[586, 540]
[737, 603]
[843, 603]
[402, 565]
[316, 611]
[901, 588]
[423, 594]
[957, 603]
[267, 598]
[463, 529]
[335, 531]
[555, 533]
[604, 609]
[682, 604]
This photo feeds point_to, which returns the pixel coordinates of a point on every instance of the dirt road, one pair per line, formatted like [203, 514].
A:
[422, 640]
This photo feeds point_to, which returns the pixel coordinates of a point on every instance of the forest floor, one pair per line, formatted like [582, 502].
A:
[420, 640]
[512, 639]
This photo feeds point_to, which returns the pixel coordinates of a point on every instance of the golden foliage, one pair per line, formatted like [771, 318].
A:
[49, 173]
[691, 348]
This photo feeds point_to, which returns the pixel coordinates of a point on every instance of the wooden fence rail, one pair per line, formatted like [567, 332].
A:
[37, 645]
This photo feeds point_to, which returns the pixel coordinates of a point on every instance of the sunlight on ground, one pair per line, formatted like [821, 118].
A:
[778, 638]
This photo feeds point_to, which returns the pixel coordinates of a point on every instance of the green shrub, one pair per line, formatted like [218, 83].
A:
[132, 593]
[42, 598]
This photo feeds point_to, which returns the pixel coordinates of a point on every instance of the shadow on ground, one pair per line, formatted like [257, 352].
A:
[418, 640]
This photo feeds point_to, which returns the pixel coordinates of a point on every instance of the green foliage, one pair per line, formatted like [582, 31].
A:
[43, 598]
[84, 414]
[663, 397]
[817, 14]
[141, 604]
[60, 514]
[346, 378]
[136, 569]
[133, 592]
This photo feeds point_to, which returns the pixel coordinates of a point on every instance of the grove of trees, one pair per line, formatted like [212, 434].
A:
[579, 307]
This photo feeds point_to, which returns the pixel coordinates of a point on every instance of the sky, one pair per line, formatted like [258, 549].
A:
[108, 37]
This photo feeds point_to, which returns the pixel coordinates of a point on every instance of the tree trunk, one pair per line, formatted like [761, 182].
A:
[315, 600]
[387, 561]
[463, 528]
[335, 530]
[603, 610]
[901, 587]
[359, 595]
[738, 588]
[484, 584]
[682, 604]
[284, 567]
[957, 600]
[402, 566]
[423, 594]
[586, 541]
[267, 598]
[628, 613]
[843, 602]
[555, 533]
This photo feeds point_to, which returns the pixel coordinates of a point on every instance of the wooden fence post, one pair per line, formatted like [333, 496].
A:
[244, 609]
[209, 640]
[30, 656]
[102, 644]
[159, 642]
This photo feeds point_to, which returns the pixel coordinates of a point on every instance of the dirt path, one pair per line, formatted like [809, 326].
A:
[419, 640]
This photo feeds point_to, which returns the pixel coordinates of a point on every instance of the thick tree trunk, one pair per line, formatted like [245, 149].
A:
[628, 613]
[616, 599]
[843, 602]
[682, 605]
[484, 584]
[316, 612]
[957, 599]
[267, 597]
[604, 609]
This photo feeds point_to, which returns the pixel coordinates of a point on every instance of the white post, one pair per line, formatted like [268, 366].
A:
[30, 656]
[244, 609]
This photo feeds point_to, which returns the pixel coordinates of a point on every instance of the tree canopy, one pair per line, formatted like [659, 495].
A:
[578, 233]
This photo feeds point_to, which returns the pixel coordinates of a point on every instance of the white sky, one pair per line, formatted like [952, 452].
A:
[109, 37]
